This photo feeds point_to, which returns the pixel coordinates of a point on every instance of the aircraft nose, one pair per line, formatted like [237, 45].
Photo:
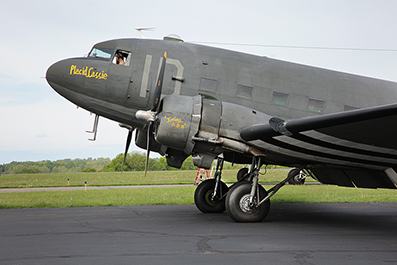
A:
[56, 76]
[68, 78]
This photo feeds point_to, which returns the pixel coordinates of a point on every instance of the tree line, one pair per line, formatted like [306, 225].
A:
[58, 166]
[134, 161]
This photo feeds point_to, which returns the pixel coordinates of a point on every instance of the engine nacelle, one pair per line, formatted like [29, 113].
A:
[179, 120]
[203, 128]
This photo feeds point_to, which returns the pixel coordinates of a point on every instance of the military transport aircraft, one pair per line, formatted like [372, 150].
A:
[186, 99]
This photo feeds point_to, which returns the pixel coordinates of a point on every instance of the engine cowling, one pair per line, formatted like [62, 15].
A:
[178, 122]
[203, 128]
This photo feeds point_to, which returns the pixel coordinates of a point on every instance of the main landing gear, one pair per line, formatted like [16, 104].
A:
[210, 195]
[245, 201]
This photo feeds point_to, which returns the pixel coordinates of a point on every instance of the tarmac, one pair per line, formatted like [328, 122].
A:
[329, 233]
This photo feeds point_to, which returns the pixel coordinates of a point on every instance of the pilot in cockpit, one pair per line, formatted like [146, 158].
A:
[120, 59]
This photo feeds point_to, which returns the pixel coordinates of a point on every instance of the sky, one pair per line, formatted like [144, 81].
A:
[37, 124]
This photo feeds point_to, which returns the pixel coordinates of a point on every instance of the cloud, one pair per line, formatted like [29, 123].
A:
[42, 135]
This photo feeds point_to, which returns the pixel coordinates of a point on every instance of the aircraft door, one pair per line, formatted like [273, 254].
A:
[142, 81]
[119, 80]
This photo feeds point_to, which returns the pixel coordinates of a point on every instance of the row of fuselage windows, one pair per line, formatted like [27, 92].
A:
[315, 105]
[278, 98]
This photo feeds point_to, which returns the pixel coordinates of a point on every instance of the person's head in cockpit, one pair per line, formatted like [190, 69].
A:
[119, 59]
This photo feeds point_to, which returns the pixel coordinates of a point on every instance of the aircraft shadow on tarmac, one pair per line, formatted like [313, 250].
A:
[364, 216]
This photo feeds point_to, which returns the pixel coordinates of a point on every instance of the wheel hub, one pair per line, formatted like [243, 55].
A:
[245, 204]
[209, 200]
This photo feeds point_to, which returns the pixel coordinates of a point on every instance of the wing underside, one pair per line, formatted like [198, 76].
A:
[352, 148]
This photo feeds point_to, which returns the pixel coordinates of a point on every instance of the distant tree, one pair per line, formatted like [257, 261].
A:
[115, 164]
[133, 162]
[137, 161]
[89, 169]
[98, 163]
[59, 169]
[188, 164]
[28, 171]
[162, 164]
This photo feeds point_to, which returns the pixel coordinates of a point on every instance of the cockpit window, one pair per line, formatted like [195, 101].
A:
[122, 57]
[101, 53]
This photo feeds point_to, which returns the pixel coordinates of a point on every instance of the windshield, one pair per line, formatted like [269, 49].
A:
[101, 53]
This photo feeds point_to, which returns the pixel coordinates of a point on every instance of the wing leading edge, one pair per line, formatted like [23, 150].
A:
[351, 148]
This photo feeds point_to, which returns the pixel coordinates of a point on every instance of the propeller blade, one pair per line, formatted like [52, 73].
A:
[159, 85]
[149, 128]
[156, 101]
[127, 145]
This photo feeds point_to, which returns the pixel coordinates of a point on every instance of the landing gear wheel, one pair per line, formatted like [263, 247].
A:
[203, 197]
[296, 179]
[238, 204]
[241, 173]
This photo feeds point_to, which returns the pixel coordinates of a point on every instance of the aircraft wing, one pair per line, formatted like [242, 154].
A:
[351, 148]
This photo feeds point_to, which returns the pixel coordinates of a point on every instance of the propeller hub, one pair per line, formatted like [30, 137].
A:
[146, 115]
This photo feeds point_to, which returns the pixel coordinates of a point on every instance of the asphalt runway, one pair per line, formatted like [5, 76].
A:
[180, 234]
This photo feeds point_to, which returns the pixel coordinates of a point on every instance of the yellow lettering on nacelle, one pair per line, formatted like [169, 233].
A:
[175, 122]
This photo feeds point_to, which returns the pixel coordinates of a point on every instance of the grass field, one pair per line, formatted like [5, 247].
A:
[161, 196]
[117, 178]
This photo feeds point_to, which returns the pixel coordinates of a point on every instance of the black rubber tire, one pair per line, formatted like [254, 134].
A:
[203, 194]
[237, 198]
[295, 180]
[241, 173]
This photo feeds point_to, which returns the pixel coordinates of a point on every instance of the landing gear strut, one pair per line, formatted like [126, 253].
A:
[298, 177]
[210, 195]
[244, 202]
[247, 200]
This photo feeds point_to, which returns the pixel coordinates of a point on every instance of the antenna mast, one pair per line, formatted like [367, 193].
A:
[140, 31]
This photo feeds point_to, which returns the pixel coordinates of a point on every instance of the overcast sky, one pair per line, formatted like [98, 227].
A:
[38, 124]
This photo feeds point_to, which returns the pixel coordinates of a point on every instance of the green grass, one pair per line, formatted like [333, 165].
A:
[163, 195]
[89, 198]
[184, 195]
[126, 178]
[332, 194]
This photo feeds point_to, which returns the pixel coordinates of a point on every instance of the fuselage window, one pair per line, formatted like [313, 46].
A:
[101, 53]
[122, 57]
[347, 107]
[208, 84]
[244, 91]
[316, 105]
[280, 98]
